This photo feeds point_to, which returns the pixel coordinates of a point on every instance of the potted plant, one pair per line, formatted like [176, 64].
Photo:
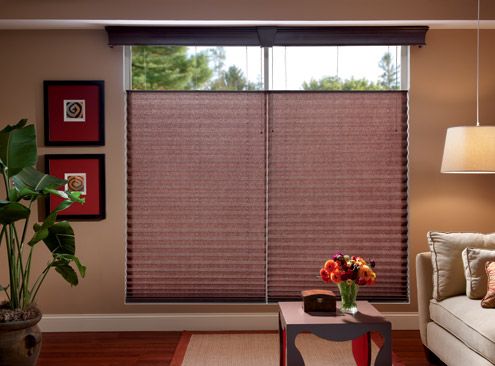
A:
[23, 185]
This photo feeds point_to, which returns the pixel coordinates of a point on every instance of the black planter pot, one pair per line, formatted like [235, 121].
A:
[20, 342]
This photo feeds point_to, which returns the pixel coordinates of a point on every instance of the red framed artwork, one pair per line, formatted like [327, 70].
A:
[74, 112]
[84, 173]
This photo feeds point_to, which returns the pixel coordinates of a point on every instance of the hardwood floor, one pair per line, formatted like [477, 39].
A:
[157, 348]
[108, 348]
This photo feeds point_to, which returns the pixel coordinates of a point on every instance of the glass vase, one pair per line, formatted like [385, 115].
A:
[348, 294]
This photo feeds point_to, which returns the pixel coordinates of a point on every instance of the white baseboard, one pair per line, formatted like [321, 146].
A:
[403, 320]
[179, 322]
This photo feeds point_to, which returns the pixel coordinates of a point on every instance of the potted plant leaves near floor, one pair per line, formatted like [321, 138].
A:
[20, 337]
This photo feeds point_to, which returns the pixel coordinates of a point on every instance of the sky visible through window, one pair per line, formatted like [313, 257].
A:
[290, 68]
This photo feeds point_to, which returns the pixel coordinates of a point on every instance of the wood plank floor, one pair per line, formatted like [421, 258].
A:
[157, 348]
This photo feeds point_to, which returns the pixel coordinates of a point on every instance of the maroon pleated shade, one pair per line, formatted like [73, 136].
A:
[196, 197]
[337, 182]
[241, 196]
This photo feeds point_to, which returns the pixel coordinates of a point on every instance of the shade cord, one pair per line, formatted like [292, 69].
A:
[478, 68]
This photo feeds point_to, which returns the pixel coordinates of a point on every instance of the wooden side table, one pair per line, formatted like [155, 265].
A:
[341, 327]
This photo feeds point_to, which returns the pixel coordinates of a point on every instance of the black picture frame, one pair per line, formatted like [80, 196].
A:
[53, 110]
[53, 166]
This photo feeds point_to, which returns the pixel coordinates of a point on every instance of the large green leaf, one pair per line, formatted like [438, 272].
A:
[72, 258]
[27, 193]
[67, 195]
[38, 236]
[60, 238]
[18, 147]
[13, 211]
[42, 231]
[19, 124]
[66, 272]
[32, 179]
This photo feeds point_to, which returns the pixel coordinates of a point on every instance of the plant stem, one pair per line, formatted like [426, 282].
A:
[39, 281]
[27, 293]
[26, 222]
[1, 235]
[12, 267]
[5, 181]
[23, 290]
[1, 238]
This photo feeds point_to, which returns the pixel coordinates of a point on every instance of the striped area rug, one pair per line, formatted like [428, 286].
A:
[260, 349]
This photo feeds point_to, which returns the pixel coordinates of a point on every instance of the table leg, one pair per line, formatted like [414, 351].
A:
[384, 356]
[293, 355]
[282, 341]
[361, 349]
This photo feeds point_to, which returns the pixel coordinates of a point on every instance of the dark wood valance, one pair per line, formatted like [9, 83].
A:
[266, 36]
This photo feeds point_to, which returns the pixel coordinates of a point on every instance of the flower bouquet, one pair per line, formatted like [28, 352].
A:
[348, 272]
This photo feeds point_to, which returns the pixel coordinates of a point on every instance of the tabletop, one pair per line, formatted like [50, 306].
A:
[293, 313]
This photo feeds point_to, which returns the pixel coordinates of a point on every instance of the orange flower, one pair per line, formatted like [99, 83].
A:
[351, 269]
[372, 278]
[336, 276]
[325, 276]
[365, 272]
[330, 265]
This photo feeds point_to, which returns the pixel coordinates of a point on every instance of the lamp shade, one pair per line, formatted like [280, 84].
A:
[469, 150]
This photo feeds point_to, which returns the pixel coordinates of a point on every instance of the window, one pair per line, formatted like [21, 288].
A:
[196, 68]
[238, 194]
[277, 68]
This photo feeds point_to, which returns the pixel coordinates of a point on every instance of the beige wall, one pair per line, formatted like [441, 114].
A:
[245, 10]
[442, 94]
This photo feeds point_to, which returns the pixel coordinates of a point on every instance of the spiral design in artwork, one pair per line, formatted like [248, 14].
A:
[74, 110]
[76, 183]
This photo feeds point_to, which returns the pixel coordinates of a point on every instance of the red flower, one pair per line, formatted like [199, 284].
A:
[348, 268]
[325, 276]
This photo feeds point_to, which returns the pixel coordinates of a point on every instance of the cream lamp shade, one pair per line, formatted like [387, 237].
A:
[469, 150]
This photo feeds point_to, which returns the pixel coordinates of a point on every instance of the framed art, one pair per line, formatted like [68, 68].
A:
[84, 173]
[74, 112]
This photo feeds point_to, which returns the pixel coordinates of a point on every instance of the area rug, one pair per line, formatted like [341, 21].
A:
[260, 349]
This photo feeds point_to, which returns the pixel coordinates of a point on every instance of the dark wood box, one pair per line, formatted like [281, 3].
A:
[319, 302]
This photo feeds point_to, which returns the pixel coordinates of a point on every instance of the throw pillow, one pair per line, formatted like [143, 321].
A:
[448, 269]
[474, 267]
[489, 300]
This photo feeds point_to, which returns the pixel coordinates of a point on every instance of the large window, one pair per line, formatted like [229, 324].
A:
[249, 166]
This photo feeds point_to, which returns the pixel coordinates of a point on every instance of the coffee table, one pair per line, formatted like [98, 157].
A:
[339, 327]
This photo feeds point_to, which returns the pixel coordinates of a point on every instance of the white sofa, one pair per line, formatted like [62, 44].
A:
[456, 329]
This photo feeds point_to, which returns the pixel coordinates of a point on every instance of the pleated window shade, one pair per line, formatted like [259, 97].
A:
[337, 182]
[241, 196]
[196, 197]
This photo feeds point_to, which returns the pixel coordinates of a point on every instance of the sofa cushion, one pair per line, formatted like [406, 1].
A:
[468, 321]
[474, 260]
[489, 299]
[448, 269]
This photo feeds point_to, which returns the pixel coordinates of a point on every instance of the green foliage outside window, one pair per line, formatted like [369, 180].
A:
[168, 68]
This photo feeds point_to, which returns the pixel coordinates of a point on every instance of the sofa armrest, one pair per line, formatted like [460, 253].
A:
[424, 283]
